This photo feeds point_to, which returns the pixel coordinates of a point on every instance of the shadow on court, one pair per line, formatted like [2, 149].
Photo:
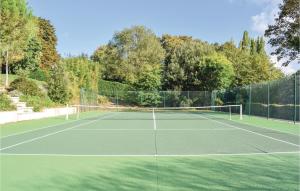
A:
[263, 172]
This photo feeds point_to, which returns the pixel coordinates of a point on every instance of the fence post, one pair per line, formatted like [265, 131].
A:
[295, 98]
[250, 99]
[268, 100]
[164, 99]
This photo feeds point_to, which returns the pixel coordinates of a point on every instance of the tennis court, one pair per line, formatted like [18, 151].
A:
[155, 142]
[151, 133]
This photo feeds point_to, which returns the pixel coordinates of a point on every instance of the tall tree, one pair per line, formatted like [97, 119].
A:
[194, 65]
[130, 53]
[245, 43]
[31, 60]
[250, 67]
[48, 39]
[284, 35]
[15, 22]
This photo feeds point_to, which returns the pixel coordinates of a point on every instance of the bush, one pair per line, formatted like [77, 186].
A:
[37, 102]
[111, 89]
[38, 74]
[6, 104]
[26, 87]
[57, 85]
[102, 100]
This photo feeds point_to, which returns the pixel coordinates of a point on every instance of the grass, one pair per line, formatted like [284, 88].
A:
[57, 173]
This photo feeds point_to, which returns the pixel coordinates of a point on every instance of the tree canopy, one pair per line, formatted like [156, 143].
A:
[284, 35]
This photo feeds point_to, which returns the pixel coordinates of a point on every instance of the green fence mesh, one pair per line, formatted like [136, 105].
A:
[275, 99]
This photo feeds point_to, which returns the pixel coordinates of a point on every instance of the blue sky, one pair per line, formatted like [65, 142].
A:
[83, 25]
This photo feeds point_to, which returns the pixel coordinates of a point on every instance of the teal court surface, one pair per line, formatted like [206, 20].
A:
[156, 150]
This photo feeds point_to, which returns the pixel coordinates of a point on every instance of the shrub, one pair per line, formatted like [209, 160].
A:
[37, 102]
[38, 74]
[26, 87]
[57, 85]
[6, 104]
[102, 100]
[111, 89]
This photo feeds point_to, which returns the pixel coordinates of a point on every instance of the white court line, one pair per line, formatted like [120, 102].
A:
[154, 120]
[56, 132]
[126, 155]
[247, 123]
[251, 132]
[212, 129]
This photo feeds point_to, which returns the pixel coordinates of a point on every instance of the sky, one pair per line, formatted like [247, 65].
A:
[83, 25]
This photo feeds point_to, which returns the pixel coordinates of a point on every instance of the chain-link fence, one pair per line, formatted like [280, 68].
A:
[275, 99]
[159, 98]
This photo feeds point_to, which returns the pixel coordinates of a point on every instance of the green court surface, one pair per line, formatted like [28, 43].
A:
[150, 151]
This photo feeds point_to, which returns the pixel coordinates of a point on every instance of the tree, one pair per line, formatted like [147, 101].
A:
[31, 59]
[284, 35]
[129, 54]
[15, 22]
[245, 43]
[195, 66]
[58, 85]
[110, 63]
[48, 40]
[250, 67]
[82, 73]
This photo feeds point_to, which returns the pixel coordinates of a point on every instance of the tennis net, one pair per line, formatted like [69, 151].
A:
[226, 112]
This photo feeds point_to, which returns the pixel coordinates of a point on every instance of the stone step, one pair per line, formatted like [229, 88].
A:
[21, 104]
[15, 100]
[25, 110]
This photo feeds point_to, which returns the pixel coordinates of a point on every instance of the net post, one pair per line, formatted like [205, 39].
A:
[67, 109]
[78, 111]
[241, 111]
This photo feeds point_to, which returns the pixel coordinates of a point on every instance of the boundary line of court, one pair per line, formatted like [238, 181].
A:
[247, 123]
[213, 129]
[56, 132]
[154, 155]
[252, 132]
[32, 130]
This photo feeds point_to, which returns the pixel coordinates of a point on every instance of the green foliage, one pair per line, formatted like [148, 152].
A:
[38, 74]
[110, 63]
[284, 35]
[58, 85]
[129, 54]
[15, 22]
[193, 65]
[37, 102]
[31, 59]
[81, 73]
[102, 99]
[47, 36]
[216, 72]
[5, 103]
[245, 43]
[111, 89]
[26, 87]
[252, 66]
